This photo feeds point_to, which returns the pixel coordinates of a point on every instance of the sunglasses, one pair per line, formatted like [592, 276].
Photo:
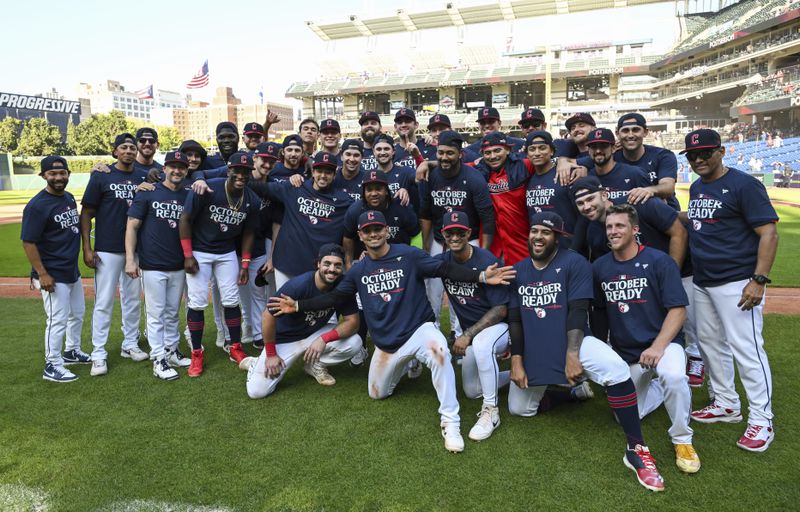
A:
[703, 154]
[534, 124]
[144, 141]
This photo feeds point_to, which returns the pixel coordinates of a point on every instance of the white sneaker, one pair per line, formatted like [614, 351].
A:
[135, 354]
[582, 391]
[414, 369]
[320, 372]
[99, 367]
[177, 359]
[360, 358]
[488, 420]
[220, 339]
[163, 371]
[453, 442]
[249, 361]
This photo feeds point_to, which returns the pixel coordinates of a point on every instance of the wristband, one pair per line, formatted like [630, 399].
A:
[245, 264]
[330, 336]
[269, 347]
[186, 244]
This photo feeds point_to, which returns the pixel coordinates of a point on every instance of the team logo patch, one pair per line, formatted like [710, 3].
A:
[75, 230]
[540, 312]
[172, 224]
[312, 219]
[223, 227]
[696, 224]
[462, 301]
[386, 297]
[623, 308]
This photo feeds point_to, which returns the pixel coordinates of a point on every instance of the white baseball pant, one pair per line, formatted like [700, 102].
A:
[162, 298]
[600, 364]
[480, 375]
[253, 301]
[428, 346]
[727, 333]
[224, 268]
[339, 351]
[667, 384]
[434, 289]
[109, 274]
[281, 278]
[690, 326]
[64, 307]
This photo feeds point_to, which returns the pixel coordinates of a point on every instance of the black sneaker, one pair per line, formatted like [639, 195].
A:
[76, 356]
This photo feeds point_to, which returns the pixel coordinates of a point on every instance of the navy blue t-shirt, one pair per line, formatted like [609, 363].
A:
[517, 146]
[621, 180]
[546, 194]
[281, 173]
[403, 177]
[542, 297]
[656, 163]
[723, 214]
[298, 326]
[368, 161]
[111, 194]
[472, 300]
[215, 224]
[159, 244]
[403, 158]
[52, 223]
[351, 186]
[402, 223]
[567, 148]
[147, 168]
[466, 191]
[637, 294]
[655, 219]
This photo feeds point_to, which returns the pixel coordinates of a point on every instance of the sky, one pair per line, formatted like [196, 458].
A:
[57, 44]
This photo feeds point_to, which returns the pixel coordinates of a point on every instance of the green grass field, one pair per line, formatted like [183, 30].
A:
[129, 442]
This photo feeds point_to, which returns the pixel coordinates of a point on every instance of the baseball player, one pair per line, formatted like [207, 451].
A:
[407, 152]
[390, 283]
[489, 121]
[617, 178]
[147, 147]
[533, 120]
[733, 240]
[402, 180]
[330, 134]
[227, 137]
[547, 315]
[309, 133]
[51, 240]
[152, 235]
[315, 335]
[209, 226]
[293, 161]
[252, 135]
[436, 125]
[370, 123]
[578, 127]
[349, 175]
[107, 199]
[481, 311]
[639, 289]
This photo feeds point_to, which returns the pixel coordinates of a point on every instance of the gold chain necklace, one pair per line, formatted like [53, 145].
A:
[233, 206]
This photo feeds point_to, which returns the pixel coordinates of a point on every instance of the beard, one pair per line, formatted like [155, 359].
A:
[548, 252]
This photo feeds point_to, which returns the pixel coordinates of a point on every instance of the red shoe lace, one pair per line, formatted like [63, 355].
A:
[647, 459]
[752, 431]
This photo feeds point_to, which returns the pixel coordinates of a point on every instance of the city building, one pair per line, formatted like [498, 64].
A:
[111, 95]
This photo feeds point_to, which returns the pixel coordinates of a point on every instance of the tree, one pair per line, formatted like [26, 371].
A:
[38, 137]
[9, 134]
[95, 136]
[168, 138]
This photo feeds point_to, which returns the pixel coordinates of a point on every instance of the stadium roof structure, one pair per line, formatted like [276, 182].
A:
[453, 15]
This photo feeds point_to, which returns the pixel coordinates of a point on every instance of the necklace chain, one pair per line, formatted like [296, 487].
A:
[233, 205]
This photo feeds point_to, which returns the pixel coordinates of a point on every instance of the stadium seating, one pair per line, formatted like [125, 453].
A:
[789, 152]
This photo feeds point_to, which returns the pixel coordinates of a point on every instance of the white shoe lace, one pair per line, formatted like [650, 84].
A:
[485, 416]
[696, 367]
[647, 459]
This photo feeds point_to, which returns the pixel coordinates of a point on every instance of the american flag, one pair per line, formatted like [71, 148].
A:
[200, 79]
[146, 93]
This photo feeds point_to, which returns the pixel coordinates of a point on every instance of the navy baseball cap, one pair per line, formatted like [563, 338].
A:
[601, 136]
[324, 159]
[193, 145]
[488, 114]
[451, 138]
[405, 113]
[226, 125]
[632, 119]
[374, 177]
[330, 125]
[455, 219]
[439, 120]
[702, 139]
[240, 159]
[581, 117]
[53, 162]
[371, 218]
[330, 250]
[141, 132]
[494, 139]
[550, 220]
[176, 157]
[383, 138]
[369, 115]
[353, 144]
[253, 128]
[268, 150]
[530, 116]
[292, 140]
[122, 138]
[539, 135]
[585, 186]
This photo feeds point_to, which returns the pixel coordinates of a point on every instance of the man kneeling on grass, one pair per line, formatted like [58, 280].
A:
[314, 334]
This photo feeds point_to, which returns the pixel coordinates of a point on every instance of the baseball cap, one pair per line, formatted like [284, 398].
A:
[545, 137]
[550, 220]
[494, 139]
[451, 138]
[702, 139]
[53, 162]
[251, 128]
[374, 177]
[371, 218]
[141, 132]
[439, 120]
[455, 219]
[580, 117]
[632, 119]
[383, 138]
[369, 115]
[268, 150]
[530, 116]
[176, 157]
[240, 159]
[405, 113]
[353, 144]
[488, 114]
[226, 125]
[193, 145]
[330, 250]
[293, 140]
[585, 186]
[122, 138]
[330, 125]
[601, 136]
[324, 159]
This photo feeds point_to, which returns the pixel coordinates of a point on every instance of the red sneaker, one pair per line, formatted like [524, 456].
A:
[713, 413]
[196, 367]
[696, 371]
[756, 438]
[644, 465]
[236, 353]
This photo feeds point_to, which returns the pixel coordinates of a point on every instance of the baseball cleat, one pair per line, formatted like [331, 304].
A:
[696, 370]
[58, 374]
[488, 421]
[360, 358]
[99, 367]
[756, 438]
[320, 372]
[453, 442]
[196, 367]
[235, 352]
[686, 458]
[220, 339]
[581, 392]
[163, 371]
[247, 362]
[644, 465]
[715, 414]
[76, 356]
[135, 354]
[414, 369]
[176, 359]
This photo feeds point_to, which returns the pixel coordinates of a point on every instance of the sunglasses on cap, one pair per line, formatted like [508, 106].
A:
[703, 154]
[147, 140]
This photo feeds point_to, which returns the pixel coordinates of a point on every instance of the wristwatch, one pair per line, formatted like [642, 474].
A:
[761, 279]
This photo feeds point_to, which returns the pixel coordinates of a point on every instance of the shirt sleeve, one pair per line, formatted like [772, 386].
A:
[349, 307]
[351, 222]
[138, 209]
[672, 292]
[755, 205]
[513, 296]
[659, 214]
[410, 223]
[34, 220]
[579, 284]
[93, 194]
[194, 203]
[425, 200]
[667, 165]
[599, 296]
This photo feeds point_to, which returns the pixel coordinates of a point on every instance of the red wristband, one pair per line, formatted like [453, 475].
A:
[330, 336]
[269, 347]
[245, 260]
[419, 159]
[186, 243]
